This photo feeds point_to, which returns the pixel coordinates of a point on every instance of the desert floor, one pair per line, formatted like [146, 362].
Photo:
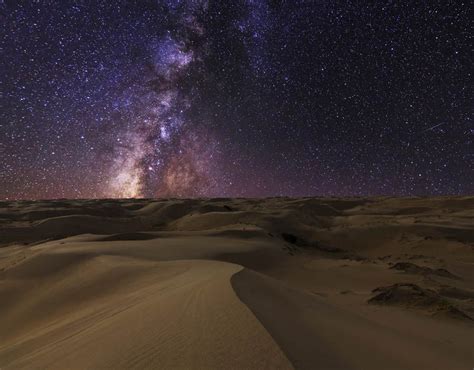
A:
[277, 283]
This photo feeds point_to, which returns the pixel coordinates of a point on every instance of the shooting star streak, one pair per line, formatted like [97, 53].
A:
[433, 127]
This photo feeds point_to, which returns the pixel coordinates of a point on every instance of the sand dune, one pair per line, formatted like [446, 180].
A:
[110, 312]
[237, 283]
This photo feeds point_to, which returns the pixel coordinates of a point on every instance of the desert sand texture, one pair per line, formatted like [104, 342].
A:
[275, 283]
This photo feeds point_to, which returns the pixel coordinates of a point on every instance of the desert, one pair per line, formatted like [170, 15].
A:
[237, 283]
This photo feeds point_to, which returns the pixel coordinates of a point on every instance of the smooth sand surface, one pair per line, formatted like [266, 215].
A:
[307, 283]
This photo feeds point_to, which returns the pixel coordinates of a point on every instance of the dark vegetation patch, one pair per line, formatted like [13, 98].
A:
[413, 296]
[128, 236]
[422, 270]
[300, 242]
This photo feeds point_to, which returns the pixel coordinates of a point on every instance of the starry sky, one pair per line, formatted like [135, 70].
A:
[203, 98]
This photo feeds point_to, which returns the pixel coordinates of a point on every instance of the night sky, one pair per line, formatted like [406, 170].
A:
[191, 98]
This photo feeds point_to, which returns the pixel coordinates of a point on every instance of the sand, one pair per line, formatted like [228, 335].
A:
[278, 283]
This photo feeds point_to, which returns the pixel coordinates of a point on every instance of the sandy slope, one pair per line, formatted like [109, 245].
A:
[315, 333]
[238, 283]
[117, 312]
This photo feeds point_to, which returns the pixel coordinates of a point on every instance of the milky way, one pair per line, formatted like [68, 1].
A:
[201, 98]
[161, 153]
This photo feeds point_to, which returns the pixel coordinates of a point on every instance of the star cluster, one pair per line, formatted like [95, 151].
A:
[210, 98]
